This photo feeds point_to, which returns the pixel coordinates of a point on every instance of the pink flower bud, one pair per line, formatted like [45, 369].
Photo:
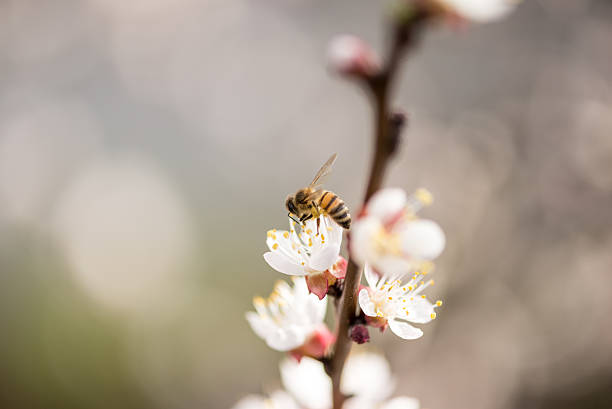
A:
[349, 55]
[359, 333]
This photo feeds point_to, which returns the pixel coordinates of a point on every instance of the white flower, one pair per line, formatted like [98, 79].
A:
[396, 303]
[478, 10]
[366, 376]
[401, 402]
[308, 252]
[391, 238]
[277, 400]
[289, 317]
[307, 382]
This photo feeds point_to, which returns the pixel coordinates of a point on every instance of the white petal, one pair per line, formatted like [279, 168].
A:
[277, 400]
[368, 376]
[366, 304]
[422, 239]
[402, 402]
[420, 310]
[482, 10]
[282, 264]
[362, 240]
[251, 402]
[307, 382]
[282, 400]
[358, 403]
[325, 258]
[316, 309]
[371, 277]
[391, 266]
[287, 338]
[387, 203]
[404, 330]
[261, 326]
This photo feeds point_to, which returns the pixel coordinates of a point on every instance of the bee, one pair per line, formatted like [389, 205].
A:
[312, 201]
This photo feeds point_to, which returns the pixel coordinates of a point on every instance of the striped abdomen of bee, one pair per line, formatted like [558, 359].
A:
[335, 208]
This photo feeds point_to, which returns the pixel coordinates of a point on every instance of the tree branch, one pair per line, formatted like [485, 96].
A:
[387, 131]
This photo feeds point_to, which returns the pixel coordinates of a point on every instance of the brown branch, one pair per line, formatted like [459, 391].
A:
[388, 126]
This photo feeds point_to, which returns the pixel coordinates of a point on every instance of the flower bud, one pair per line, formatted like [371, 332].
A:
[350, 55]
[359, 333]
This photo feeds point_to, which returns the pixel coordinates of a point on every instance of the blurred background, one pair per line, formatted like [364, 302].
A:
[146, 146]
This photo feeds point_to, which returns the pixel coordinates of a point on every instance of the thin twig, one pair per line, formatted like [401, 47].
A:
[386, 137]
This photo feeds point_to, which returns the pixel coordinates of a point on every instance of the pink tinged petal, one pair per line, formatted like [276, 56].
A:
[338, 270]
[317, 284]
[317, 345]
[325, 258]
[387, 203]
[366, 304]
[423, 239]
[402, 402]
[349, 55]
[404, 330]
[283, 265]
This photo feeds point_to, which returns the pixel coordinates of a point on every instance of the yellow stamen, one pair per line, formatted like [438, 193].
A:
[286, 234]
[424, 196]
[433, 315]
[275, 246]
[439, 303]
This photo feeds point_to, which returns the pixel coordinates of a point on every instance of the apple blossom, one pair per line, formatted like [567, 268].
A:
[311, 250]
[391, 238]
[291, 319]
[390, 302]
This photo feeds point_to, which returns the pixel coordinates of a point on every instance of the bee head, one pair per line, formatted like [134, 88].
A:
[290, 205]
[301, 197]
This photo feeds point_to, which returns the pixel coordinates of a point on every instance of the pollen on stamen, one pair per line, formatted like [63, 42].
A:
[439, 303]
[286, 234]
[258, 301]
[303, 263]
[390, 298]
[329, 228]
[433, 315]
[407, 312]
[423, 296]
[310, 242]
[275, 246]
[309, 231]
[322, 237]
[424, 196]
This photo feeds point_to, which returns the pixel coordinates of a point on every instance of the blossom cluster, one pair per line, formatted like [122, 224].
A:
[394, 248]
[368, 381]
[389, 241]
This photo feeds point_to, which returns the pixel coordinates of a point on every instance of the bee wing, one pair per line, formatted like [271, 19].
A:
[323, 172]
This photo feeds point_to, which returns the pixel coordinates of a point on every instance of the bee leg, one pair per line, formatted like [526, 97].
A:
[292, 218]
[318, 224]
